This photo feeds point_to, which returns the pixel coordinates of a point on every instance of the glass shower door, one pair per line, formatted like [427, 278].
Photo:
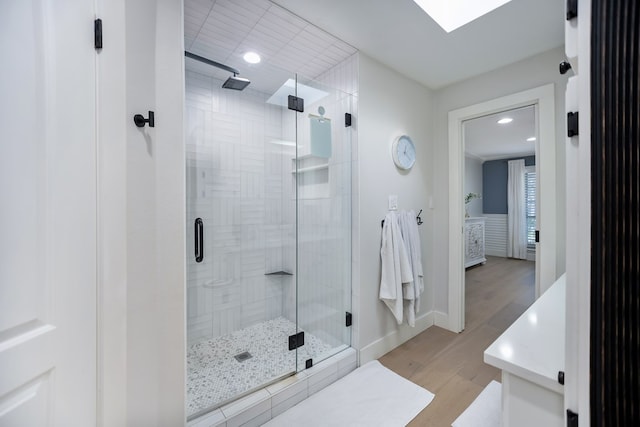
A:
[323, 185]
[240, 227]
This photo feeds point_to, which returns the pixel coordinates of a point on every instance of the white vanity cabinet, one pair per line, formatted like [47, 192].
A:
[531, 354]
[474, 241]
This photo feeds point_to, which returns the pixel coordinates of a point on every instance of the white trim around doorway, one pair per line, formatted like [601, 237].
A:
[543, 98]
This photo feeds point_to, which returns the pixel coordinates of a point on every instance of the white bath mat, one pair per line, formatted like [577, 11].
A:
[372, 395]
[485, 411]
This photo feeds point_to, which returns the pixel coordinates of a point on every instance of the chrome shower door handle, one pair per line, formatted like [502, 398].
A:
[199, 240]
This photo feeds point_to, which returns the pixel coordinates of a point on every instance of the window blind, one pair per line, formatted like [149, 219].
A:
[530, 200]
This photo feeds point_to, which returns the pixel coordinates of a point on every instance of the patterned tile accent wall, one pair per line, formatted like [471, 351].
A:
[235, 184]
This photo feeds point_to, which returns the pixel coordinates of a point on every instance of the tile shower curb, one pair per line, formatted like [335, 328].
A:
[269, 402]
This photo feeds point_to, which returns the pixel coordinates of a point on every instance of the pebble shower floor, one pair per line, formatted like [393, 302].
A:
[215, 376]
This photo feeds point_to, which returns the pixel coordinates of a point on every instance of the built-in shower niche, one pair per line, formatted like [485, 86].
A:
[310, 177]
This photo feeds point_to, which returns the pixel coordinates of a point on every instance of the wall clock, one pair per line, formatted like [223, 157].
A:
[403, 152]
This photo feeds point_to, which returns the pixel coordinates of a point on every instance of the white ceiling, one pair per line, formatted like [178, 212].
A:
[224, 30]
[485, 139]
[399, 34]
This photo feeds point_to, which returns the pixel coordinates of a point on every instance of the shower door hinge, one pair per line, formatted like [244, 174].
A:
[572, 418]
[572, 124]
[537, 236]
[296, 104]
[348, 319]
[97, 34]
[296, 340]
[572, 9]
[347, 120]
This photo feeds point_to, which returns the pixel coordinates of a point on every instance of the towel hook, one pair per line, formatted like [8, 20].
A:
[418, 219]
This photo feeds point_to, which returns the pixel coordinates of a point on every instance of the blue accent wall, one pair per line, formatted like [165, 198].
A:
[495, 174]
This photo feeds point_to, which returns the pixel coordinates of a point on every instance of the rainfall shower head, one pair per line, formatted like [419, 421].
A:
[233, 82]
[236, 83]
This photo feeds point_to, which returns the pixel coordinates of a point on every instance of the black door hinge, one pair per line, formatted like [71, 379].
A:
[308, 363]
[572, 124]
[348, 319]
[97, 33]
[572, 9]
[561, 377]
[347, 120]
[296, 340]
[572, 418]
[537, 236]
[296, 104]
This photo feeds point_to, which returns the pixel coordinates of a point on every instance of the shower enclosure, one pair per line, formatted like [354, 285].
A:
[268, 230]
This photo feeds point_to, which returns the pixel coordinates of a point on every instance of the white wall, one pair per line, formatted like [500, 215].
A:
[155, 215]
[141, 331]
[389, 105]
[526, 74]
[473, 184]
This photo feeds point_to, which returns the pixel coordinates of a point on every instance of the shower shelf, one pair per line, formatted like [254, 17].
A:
[311, 168]
[279, 273]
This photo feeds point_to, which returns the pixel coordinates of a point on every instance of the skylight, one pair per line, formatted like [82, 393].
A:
[452, 14]
[308, 93]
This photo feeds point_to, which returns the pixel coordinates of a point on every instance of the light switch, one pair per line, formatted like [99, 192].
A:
[393, 202]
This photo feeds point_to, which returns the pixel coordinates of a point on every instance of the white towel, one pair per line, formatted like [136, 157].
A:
[413, 290]
[396, 269]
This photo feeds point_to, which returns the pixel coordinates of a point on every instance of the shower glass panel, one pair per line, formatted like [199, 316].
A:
[241, 216]
[269, 231]
[323, 183]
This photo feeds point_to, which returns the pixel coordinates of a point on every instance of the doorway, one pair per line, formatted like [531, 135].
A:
[542, 98]
[500, 195]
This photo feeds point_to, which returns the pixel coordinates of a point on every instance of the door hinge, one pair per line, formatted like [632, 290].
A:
[308, 363]
[572, 9]
[537, 236]
[572, 418]
[348, 319]
[296, 340]
[347, 120]
[97, 33]
[296, 104]
[572, 124]
[561, 377]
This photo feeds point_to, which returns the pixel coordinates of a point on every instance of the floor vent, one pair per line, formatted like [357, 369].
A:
[243, 356]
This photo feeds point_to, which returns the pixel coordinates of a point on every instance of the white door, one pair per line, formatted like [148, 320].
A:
[47, 213]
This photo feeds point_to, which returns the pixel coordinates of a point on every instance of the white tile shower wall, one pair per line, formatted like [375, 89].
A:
[250, 229]
[235, 184]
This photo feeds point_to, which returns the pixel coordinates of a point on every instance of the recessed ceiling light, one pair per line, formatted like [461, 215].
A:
[533, 138]
[251, 57]
[505, 120]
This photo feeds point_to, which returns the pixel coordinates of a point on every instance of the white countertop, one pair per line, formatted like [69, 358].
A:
[533, 347]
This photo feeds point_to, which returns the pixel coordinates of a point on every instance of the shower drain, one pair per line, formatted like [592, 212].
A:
[243, 356]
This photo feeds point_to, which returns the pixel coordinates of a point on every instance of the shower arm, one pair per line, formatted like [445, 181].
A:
[212, 63]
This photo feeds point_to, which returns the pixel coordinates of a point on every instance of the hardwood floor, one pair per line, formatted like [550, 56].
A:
[451, 365]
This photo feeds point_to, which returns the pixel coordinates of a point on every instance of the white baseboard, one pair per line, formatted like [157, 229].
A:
[401, 335]
[501, 254]
[441, 319]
